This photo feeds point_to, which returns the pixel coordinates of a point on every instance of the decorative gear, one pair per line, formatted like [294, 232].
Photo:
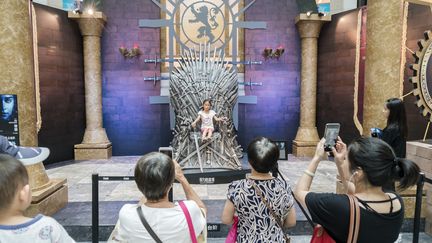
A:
[422, 75]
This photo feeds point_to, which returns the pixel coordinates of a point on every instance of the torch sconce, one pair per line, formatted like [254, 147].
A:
[133, 52]
[269, 53]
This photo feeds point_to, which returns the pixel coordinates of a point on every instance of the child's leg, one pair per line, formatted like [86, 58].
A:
[7, 148]
[209, 133]
[204, 133]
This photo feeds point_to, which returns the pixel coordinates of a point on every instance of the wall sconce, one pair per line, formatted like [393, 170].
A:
[269, 53]
[133, 52]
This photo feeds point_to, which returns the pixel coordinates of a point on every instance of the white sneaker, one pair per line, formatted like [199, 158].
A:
[32, 155]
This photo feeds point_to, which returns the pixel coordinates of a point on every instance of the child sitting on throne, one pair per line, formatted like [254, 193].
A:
[206, 115]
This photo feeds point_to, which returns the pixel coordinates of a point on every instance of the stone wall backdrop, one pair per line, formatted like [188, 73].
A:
[276, 115]
[61, 74]
[133, 125]
[336, 63]
[336, 67]
[136, 127]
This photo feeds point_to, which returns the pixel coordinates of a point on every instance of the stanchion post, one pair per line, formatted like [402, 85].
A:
[95, 208]
[417, 212]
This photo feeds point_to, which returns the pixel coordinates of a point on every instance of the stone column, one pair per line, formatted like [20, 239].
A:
[95, 144]
[17, 77]
[307, 135]
[383, 59]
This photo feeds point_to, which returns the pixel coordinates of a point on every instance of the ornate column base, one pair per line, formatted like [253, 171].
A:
[304, 144]
[304, 149]
[48, 196]
[85, 151]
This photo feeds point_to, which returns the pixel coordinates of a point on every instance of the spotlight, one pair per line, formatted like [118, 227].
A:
[308, 13]
[90, 11]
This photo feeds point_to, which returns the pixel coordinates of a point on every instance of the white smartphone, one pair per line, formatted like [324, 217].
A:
[331, 133]
[166, 150]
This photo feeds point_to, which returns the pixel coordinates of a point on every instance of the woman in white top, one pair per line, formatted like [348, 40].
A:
[154, 176]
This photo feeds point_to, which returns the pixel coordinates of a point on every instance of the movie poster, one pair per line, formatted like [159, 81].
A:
[9, 117]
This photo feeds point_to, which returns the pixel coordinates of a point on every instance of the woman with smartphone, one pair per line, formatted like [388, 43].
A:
[156, 219]
[365, 166]
[396, 131]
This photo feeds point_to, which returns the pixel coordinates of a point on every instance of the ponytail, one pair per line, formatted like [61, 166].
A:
[406, 171]
[377, 159]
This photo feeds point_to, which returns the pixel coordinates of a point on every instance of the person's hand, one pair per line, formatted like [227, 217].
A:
[179, 176]
[319, 152]
[193, 124]
[339, 151]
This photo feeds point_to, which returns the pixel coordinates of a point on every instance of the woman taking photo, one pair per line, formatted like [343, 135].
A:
[157, 219]
[367, 165]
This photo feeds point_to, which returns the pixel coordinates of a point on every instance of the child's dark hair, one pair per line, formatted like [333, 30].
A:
[204, 101]
[263, 155]
[378, 161]
[13, 175]
[397, 116]
[154, 175]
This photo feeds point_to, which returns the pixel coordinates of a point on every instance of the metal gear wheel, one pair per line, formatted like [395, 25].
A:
[422, 75]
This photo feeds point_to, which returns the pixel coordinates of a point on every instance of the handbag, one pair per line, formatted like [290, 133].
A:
[278, 221]
[232, 234]
[320, 235]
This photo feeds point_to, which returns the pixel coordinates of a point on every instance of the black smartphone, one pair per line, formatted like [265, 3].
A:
[331, 133]
[166, 150]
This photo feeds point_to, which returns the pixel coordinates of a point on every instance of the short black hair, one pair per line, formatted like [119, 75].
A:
[154, 175]
[378, 161]
[263, 154]
[13, 175]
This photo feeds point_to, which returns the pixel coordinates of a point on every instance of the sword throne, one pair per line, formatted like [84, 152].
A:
[202, 74]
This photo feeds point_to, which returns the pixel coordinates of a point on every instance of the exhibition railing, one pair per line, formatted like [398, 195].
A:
[419, 196]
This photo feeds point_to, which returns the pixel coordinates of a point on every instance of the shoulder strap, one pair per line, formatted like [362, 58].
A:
[354, 219]
[147, 226]
[298, 203]
[189, 221]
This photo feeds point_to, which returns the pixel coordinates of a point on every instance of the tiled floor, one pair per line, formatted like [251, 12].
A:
[112, 195]
[78, 174]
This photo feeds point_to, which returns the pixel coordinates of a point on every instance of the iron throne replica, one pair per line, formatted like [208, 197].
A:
[201, 75]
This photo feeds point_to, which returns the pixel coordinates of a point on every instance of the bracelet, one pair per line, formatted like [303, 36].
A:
[307, 172]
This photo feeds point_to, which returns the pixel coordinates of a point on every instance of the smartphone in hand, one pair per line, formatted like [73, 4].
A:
[166, 150]
[331, 134]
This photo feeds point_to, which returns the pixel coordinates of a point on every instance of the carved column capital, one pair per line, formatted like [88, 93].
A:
[90, 25]
[310, 26]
